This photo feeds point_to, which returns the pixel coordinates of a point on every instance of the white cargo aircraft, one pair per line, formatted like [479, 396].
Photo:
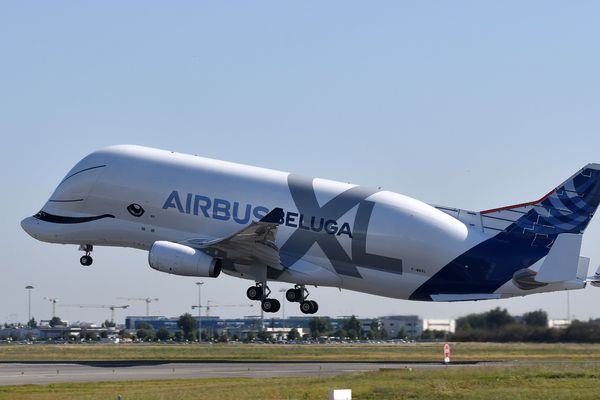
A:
[197, 217]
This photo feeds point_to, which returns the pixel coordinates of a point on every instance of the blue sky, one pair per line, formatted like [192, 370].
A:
[467, 104]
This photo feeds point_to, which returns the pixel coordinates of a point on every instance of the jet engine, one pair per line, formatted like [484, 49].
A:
[179, 259]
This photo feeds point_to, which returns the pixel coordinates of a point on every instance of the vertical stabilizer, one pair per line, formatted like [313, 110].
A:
[566, 209]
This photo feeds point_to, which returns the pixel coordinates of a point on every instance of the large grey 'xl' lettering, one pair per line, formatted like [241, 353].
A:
[300, 242]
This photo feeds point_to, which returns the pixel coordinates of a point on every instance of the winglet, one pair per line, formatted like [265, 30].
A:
[275, 216]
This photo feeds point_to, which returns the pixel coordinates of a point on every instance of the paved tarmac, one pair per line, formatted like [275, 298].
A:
[45, 373]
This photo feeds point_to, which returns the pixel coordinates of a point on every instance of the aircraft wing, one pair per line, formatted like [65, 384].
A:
[254, 243]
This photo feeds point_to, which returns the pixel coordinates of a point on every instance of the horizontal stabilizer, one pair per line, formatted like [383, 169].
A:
[582, 270]
[562, 262]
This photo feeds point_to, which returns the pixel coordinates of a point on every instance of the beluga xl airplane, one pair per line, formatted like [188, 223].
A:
[200, 217]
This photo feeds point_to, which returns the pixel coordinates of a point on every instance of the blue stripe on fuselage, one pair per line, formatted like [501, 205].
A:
[488, 265]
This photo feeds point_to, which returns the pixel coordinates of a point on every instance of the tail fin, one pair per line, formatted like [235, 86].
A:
[566, 209]
[535, 244]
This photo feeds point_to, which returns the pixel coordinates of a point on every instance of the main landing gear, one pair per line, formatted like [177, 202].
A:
[261, 292]
[86, 260]
[298, 295]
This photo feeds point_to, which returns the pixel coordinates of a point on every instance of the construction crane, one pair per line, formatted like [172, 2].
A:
[208, 306]
[53, 301]
[148, 300]
[110, 307]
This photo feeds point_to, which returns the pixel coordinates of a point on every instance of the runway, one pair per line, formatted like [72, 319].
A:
[48, 372]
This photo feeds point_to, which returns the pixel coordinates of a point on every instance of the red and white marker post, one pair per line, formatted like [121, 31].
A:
[446, 353]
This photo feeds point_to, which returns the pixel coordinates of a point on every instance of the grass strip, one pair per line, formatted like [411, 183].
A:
[565, 381]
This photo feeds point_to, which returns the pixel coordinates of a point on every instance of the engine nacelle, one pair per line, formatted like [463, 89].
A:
[179, 259]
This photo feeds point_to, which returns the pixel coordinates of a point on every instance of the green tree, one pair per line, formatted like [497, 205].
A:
[582, 332]
[187, 324]
[89, 335]
[374, 330]
[223, 337]
[32, 324]
[144, 334]
[439, 334]
[264, 336]
[56, 321]
[123, 334]
[340, 333]
[471, 321]
[293, 334]
[426, 334]
[433, 334]
[402, 333]
[383, 333]
[353, 328]
[250, 336]
[319, 326]
[108, 324]
[162, 334]
[492, 319]
[536, 318]
[498, 317]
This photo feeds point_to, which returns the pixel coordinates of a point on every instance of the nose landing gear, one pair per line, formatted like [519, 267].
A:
[86, 260]
[298, 295]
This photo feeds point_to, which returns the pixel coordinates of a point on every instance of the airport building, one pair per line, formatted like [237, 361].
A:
[440, 325]
[559, 323]
[410, 326]
[60, 332]
[395, 326]
[403, 325]
[215, 325]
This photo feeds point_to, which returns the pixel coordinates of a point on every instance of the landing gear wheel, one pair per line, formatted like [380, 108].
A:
[86, 260]
[254, 292]
[306, 307]
[270, 305]
[294, 295]
[309, 307]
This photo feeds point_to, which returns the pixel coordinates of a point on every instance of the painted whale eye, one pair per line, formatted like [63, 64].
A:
[135, 209]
